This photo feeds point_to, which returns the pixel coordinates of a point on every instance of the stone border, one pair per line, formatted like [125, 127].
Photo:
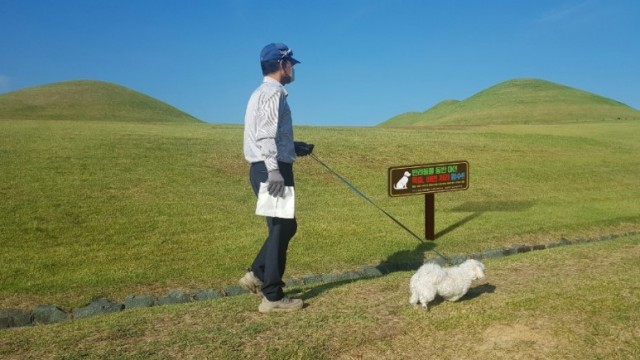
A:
[49, 314]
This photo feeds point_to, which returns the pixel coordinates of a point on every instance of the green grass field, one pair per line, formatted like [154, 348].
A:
[113, 208]
[575, 302]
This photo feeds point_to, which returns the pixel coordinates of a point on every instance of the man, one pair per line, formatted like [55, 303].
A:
[271, 151]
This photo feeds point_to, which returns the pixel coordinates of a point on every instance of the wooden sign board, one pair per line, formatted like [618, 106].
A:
[428, 178]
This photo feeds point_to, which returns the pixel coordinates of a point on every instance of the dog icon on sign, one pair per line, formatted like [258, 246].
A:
[402, 183]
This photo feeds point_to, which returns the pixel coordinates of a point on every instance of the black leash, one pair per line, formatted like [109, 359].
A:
[355, 189]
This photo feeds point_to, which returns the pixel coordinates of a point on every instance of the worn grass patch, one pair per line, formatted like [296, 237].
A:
[573, 302]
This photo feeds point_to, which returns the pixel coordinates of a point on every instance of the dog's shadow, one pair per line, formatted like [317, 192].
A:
[476, 291]
[473, 293]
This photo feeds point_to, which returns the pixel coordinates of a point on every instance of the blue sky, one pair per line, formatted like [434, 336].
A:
[363, 61]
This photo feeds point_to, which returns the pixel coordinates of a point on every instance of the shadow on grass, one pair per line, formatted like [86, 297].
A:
[411, 260]
[452, 227]
[476, 291]
[405, 260]
[473, 293]
[486, 206]
[317, 290]
[478, 208]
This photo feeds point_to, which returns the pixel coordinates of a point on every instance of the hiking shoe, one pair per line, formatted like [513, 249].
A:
[251, 283]
[285, 304]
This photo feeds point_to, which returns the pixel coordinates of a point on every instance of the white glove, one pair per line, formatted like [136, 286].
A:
[276, 184]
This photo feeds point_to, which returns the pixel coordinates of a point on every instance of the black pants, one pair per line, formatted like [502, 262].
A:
[271, 260]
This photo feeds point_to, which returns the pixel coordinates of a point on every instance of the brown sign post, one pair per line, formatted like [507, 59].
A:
[428, 179]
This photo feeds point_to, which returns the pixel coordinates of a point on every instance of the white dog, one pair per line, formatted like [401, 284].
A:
[402, 183]
[451, 283]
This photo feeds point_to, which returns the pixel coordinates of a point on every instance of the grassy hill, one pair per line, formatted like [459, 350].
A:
[87, 101]
[521, 101]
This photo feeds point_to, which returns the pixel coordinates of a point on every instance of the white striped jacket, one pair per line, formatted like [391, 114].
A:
[268, 126]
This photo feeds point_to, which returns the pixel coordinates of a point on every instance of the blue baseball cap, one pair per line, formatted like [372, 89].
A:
[277, 52]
